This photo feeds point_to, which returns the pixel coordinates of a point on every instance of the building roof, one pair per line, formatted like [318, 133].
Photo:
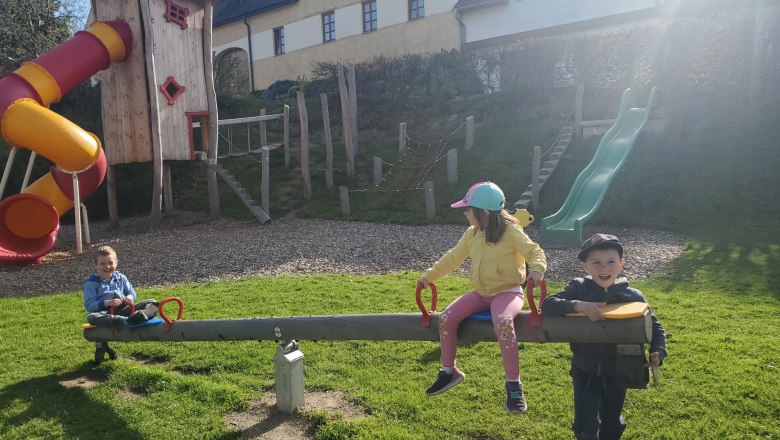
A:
[232, 10]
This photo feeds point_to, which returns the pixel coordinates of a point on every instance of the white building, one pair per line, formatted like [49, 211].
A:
[285, 38]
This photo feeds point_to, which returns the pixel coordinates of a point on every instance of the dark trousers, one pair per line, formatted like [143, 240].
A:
[598, 402]
[105, 319]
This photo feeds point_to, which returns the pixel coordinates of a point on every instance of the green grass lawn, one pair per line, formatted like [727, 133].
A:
[719, 302]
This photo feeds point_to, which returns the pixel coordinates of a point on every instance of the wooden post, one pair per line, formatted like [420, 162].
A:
[206, 134]
[85, 224]
[377, 170]
[452, 166]
[286, 135]
[430, 202]
[157, 159]
[401, 137]
[304, 145]
[265, 178]
[578, 111]
[209, 126]
[346, 131]
[535, 179]
[167, 188]
[344, 196]
[113, 211]
[328, 141]
[352, 91]
[263, 134]
[469, 132]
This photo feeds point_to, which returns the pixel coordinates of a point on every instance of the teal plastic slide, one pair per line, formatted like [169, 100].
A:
[564, 228]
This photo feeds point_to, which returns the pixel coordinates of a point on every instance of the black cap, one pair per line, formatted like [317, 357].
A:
[599, 241]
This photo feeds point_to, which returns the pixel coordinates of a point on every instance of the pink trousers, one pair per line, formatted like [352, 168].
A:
[504, 307]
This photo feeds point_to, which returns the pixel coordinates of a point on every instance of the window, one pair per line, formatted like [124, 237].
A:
[279, 41]
[369, 16]
[176, 13]
[416, 9]
[328, 26]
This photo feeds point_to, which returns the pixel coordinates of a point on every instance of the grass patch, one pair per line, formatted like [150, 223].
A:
[719, 303]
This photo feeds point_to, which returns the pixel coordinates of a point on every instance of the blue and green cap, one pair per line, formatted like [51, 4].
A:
[482, 195]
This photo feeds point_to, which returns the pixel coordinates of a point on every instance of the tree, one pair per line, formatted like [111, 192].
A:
[29, 28]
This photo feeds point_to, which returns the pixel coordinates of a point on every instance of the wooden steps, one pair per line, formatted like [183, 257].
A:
[242, 194]
[553, 157]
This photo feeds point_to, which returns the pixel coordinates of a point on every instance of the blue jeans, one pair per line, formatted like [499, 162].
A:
[598, 402]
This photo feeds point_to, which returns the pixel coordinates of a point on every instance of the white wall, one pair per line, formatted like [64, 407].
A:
[349, 21]
[528, 15]
[303, 33]
[391, 12]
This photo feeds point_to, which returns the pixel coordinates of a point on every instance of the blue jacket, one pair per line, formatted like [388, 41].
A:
[98, 290]
[600, 359]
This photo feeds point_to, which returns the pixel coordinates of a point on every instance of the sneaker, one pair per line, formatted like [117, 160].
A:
[445, 381]
[515, 399]
[137, 318]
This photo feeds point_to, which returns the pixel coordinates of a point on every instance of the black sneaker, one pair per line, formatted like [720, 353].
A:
[515, 399]
[445, 381]
[137, 318]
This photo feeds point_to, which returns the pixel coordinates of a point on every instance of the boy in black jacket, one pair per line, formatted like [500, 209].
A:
[598, 393]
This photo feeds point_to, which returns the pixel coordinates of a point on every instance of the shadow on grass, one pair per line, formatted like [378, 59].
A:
[44, 399]
[729, 264]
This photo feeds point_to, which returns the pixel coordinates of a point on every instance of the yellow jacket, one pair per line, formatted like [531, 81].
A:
[495, 267]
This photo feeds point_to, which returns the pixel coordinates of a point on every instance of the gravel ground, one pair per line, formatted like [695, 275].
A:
[190, 248]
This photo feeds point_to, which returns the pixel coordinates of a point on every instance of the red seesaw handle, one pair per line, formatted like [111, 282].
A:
[535, 319]
[425, 320]
[168, 322]
[112, 310]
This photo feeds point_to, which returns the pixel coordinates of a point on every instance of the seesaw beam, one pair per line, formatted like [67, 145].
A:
[379, 327]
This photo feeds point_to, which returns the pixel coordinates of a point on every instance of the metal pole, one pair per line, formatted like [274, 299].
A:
[77, 212]
[7, 171]
[29, 169]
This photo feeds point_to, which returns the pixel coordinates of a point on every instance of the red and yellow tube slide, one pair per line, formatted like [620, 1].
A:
[29, 221]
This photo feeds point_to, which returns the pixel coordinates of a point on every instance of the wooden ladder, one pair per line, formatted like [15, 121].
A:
[547, 170]
[242, 194]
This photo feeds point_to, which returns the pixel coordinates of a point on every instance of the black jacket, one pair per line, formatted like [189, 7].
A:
[600, 359]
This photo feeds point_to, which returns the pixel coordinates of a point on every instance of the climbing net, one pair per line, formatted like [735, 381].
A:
[414, 165]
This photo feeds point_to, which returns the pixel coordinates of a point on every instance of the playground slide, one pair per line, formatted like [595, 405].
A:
[29, 221]
[564, 228]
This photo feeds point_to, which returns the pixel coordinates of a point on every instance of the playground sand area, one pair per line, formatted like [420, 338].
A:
[191, 248]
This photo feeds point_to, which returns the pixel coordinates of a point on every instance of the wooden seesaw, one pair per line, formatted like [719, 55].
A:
[630, 328]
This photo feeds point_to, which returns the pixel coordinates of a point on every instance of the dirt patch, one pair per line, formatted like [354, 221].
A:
[83, 379]
[263, 421]
[140, 359]
[131, 394]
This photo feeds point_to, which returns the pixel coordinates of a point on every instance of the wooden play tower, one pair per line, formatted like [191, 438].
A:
[151, 101]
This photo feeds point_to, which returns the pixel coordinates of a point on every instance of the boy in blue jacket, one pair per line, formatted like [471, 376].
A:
[109, 298]
[598, 393]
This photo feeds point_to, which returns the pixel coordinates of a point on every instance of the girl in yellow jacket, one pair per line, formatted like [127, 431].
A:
[499, 249]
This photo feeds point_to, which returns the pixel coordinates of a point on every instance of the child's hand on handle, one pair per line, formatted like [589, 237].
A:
[536, 277]
[655, 362]
[590, 309]
[116, 302]
[128, 300]
[423, 281]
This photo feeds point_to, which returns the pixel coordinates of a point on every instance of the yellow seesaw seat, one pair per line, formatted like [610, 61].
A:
[620, 310]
